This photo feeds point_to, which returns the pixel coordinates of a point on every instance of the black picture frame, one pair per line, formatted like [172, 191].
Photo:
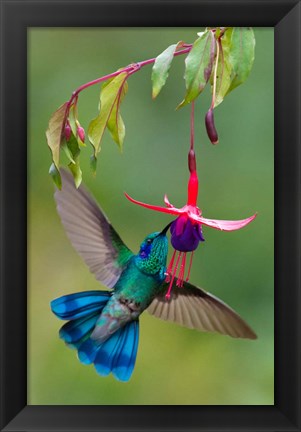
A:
[16, 17]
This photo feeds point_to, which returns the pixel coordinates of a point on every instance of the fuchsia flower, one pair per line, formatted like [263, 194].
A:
[186, 230]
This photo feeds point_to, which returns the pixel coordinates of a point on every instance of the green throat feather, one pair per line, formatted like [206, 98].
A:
[153, 254]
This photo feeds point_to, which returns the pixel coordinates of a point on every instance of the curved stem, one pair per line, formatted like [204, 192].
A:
[128, 69]
[131, 69]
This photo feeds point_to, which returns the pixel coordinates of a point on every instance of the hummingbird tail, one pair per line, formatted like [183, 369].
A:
[117, 354]
[73, 306]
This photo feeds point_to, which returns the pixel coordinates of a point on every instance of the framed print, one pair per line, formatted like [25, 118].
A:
[182, 379]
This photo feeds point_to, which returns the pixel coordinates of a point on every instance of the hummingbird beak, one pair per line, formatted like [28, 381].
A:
[164, 231]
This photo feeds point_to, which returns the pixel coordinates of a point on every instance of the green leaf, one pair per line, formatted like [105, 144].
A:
[73, 146]
[161, 68]
[223, 76]
[74, 123]
[67, 152]
[241, 54]
[72, 119]
[198, 66]
[108, 97]
[54, 132]
[56, 176]
[115, 123]
[93, 164]
[76, 172]
[72, 151]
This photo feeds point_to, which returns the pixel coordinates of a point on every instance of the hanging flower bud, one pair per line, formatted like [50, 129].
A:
[81, 133]
[211, 131]
[191, 161]
[67, 131]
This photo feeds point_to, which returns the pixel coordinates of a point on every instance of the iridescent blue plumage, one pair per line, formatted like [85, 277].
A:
[77, 305]
[103, 326]
[117, 354]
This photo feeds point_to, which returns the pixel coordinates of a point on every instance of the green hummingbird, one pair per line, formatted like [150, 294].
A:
[104, 325]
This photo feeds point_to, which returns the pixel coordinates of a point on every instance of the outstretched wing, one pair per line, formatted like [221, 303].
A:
[90, 232]
[194, 308]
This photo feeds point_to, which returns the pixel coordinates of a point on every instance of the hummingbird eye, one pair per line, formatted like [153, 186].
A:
[149, 241]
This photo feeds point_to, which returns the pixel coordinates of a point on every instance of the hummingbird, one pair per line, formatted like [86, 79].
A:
[103, 326]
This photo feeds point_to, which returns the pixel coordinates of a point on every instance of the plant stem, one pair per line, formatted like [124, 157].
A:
[128, 69]
[192, 126]
[131, 69]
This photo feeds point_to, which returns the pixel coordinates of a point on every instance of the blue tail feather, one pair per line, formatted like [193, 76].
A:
[87, 351]
[106, 353]
[80, 304]
[74, 330]
[125, 362]
[117, 354]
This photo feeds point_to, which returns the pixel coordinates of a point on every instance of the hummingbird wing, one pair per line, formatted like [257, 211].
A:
[194, 308]
[90, 232]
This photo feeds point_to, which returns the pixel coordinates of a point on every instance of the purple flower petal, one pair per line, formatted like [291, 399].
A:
[198, 232]
[189, 237]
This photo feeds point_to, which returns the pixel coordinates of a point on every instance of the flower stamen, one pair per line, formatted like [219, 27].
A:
[170, 266]
[189, 268]
[182, 271]
[167, 295]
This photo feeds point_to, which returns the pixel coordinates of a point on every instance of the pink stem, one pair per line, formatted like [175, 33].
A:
[129, 69]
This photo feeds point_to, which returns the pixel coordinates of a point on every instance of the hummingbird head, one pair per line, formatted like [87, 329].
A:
[153, 252]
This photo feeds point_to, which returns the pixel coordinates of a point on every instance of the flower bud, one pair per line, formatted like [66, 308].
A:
[210, 127]
[67, 131]
[191, 161]
[81, 133]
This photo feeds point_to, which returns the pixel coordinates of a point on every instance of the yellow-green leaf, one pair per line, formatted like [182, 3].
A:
[76, 172]
[223, 77]
[161, 68]
[115, 123]
[72, 119]
[108, 97]
[54, 132]
[198, 66]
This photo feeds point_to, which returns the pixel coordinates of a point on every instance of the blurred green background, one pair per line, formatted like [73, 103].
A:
[174, 365]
